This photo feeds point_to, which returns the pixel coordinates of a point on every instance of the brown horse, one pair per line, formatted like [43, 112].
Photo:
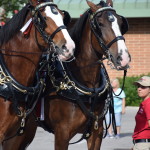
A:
[81, 100]
[37, 30]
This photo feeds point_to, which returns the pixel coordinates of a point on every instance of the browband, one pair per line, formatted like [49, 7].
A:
[100, 10]
[42, 5]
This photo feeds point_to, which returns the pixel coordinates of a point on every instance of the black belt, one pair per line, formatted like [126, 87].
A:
[141, 141]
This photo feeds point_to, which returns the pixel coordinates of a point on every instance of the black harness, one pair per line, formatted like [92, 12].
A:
[66, 84]
[12, 90]
[40, 22]
[68, 87]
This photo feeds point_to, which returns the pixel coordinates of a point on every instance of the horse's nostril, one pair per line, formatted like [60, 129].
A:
[64, 48]
[119, 60]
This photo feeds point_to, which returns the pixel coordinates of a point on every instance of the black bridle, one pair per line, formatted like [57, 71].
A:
[40, 23]
[96, 30]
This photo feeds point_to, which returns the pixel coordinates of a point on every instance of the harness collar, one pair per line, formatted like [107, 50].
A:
[67, 81]
[16, 84]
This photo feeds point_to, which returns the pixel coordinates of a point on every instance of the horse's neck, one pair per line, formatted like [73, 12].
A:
[22, 65]
[87, 71]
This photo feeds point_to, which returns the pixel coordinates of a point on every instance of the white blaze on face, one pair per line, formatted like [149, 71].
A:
[58, 19]
[122, 49]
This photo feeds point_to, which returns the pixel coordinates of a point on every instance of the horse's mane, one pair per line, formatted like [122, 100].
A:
[13, 25]
[77, 29]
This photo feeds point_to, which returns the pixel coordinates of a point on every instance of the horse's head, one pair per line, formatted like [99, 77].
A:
[48, 20]
[108, 28]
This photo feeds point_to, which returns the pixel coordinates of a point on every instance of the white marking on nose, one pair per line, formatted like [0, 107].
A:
[57, 18]
[121, 44]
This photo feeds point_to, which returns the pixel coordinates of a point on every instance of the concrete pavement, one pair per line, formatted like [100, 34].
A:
[45, 141]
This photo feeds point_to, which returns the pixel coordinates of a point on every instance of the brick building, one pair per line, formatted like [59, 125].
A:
[137, 38]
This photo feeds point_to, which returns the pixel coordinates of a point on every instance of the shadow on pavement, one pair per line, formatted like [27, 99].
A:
[126, 134]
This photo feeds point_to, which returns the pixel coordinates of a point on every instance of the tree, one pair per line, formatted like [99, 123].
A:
[11, 5]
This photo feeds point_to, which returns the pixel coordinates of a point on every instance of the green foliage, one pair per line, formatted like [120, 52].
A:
[132, 99]
[11, 5]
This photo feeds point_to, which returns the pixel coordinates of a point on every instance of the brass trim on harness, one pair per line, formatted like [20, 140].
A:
[107, 85]
[5, 79]
[73, 85]
[19, 89]
[84, 92]
[68, 84]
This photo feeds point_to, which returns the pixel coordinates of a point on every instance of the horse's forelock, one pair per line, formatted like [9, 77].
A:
[103, 4]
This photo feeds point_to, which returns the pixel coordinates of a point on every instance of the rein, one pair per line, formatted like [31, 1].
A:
[23, 52]
[84, 67]
[122, 88]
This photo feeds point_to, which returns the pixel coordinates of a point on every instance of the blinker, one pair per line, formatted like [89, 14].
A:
[54, 11]
[110, 17]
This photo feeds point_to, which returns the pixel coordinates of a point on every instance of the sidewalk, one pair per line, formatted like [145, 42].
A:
[45, 141]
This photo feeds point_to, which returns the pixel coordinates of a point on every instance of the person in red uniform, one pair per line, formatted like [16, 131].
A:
[141, 135]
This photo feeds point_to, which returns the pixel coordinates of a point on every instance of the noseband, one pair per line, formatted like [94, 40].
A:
[40, 24]
[96, 28]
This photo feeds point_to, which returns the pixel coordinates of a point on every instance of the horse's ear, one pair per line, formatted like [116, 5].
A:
[33, 2]
[92, 6]
[109, 3]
